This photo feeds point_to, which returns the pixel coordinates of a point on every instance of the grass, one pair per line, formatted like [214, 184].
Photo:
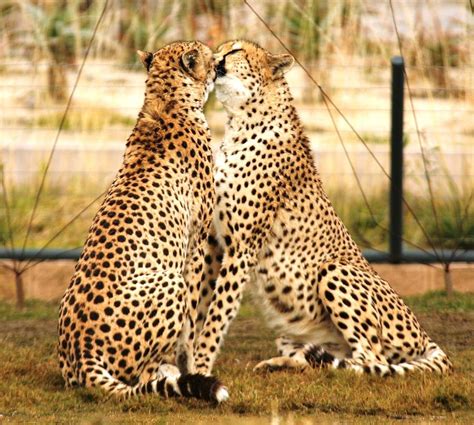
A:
[34, 310]
[381, 139]
[440, 302]
[31, 388]
[456, 222]
[64, 201]
[86, 119]
[312, 28]
[453, 224]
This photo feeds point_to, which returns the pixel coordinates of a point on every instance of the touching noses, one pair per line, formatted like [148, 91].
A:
[220, 67]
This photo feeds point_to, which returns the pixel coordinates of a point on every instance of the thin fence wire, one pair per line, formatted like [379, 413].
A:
[328, 103]
[60, 128]
[302, 108]
[312, 127]
[32, 262]
[124, 66]
[7, 215]
[418, 133]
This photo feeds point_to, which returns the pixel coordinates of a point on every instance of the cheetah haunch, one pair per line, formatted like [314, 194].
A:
[279, 231]
[132, 300]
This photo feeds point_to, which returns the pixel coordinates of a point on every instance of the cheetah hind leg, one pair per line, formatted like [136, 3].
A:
[167, 370]
[163, 382]
[342, 285]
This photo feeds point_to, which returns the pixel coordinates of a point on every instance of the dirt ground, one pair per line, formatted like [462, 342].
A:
[48, 281]
[31, 388]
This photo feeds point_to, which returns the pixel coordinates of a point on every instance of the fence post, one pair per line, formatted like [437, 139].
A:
[396, 161]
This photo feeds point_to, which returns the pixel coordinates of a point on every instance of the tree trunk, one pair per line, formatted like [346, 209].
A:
[57, 83]
[448, 282]
[20, 293]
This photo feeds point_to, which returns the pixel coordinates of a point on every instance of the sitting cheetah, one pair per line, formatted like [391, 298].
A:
[279, 230]
[133, 298]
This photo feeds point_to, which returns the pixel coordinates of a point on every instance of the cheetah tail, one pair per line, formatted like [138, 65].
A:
[434, 360]
[190, 385]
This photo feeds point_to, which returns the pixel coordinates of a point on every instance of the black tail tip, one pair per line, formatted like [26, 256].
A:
[203, 387]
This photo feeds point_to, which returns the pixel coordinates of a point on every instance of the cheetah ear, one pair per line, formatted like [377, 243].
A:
[280, 64]
[189, 62]
[146, 58]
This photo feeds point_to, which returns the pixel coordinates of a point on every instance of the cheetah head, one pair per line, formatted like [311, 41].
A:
[183, 68]
[245, 71]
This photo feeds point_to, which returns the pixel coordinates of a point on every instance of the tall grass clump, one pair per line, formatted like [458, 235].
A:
[319, 32]
[62, 201]
[367, 230]
[91, 118]
[455, 217]
[59, 204]
[449, 217]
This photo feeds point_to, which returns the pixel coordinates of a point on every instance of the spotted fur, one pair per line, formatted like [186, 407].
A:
[133, 298]
[279, 231]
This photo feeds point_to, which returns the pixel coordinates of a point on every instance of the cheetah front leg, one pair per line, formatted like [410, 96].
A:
[193, 276]
[213, 258]
[226, 298]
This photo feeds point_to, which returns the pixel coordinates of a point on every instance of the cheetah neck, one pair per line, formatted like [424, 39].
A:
[268, 117]
[163, 92]
[158, 122]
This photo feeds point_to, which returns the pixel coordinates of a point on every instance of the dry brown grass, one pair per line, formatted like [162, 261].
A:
[31, 388]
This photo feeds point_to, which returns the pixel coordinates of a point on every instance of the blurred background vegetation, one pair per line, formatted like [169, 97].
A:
[57, 31]
[346, 44]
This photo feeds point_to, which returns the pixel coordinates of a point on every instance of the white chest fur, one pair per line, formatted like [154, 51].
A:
[231, 92]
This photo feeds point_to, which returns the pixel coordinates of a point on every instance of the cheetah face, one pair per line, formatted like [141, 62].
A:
[192, 60]
[244, 71]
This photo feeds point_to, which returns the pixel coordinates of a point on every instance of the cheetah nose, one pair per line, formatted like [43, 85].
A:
[220, 69]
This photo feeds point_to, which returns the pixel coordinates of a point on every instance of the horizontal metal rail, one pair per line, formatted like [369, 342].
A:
[407, 256]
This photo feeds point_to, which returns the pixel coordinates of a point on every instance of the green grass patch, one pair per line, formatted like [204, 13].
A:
[439, 301]
[86, 119]
[64, 200]
[31, 387]
[381, 139]
[56, 213]
[452, 227]
[34, 309]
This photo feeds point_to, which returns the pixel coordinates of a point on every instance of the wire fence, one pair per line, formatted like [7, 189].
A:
[58, 153]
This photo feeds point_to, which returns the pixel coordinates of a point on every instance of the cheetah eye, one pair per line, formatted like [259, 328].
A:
[232, 52]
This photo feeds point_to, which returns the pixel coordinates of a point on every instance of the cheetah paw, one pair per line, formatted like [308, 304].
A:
[265, 366]
[168, 371]
[278, 364]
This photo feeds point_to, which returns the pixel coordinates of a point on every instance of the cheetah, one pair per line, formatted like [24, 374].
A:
[280, 233]
[132, 300]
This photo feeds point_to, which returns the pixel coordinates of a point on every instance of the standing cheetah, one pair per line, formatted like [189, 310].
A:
[279, 231]
[133, 297]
